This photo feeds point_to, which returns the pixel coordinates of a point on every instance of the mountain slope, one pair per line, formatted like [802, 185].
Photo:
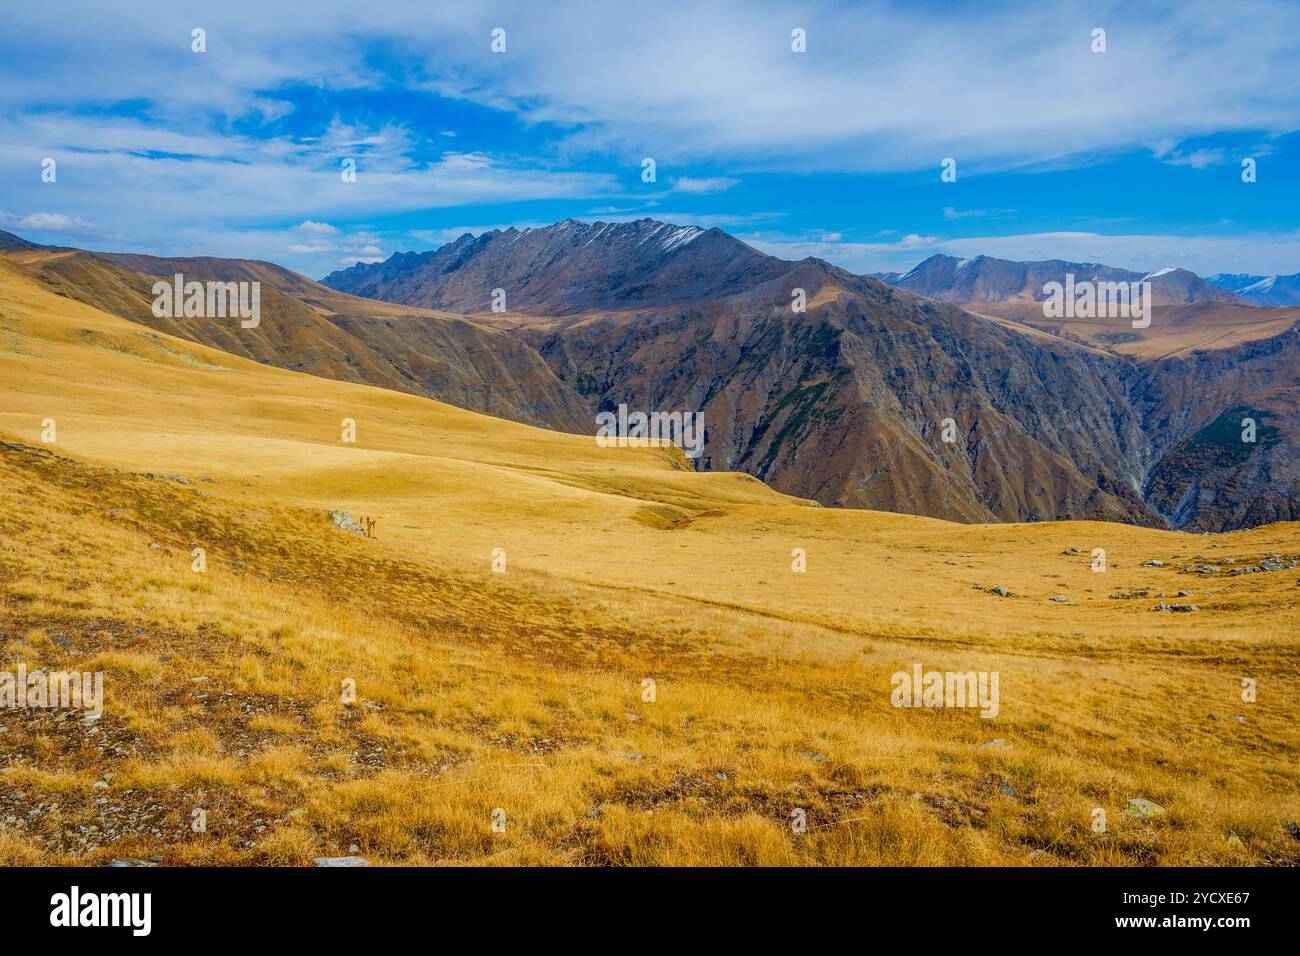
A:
[308, 327]
[11, 243]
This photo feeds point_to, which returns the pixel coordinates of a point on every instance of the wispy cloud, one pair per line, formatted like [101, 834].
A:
[700, 187]
[51, 222]
[234, 148]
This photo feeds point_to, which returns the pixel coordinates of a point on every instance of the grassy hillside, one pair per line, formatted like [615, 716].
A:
[523, 690]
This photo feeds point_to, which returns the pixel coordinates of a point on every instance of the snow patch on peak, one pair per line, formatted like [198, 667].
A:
[1159, 272]
[679, 237]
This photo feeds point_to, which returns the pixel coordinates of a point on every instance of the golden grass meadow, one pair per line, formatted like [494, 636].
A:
[504, 716]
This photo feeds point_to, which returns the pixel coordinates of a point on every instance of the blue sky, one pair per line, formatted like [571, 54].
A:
[1130, 157]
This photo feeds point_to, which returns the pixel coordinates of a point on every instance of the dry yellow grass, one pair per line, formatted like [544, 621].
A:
[522, 691]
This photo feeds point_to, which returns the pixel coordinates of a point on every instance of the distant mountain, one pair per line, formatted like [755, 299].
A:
[1262, 290]
[845, 402]
[1233, 281]
[567, 268]
[9, 242]
[986, 279]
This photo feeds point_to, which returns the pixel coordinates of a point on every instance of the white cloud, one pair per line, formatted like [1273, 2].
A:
[1196, 158]
[883, 85]
[317, 228]
[700, 187]
[51, 222]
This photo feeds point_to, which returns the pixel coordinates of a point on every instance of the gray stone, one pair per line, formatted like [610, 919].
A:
[1138, 807]
[343, 519]
[340, 861]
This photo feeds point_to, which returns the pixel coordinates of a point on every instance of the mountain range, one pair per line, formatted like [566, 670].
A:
[986, 279]
[844, 403]
[943, 391]
[1262, 290]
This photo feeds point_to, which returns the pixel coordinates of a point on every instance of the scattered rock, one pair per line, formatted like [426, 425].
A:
[1185, 594]
[997, 743]
[132, 861]
[1145, 809]
[632, 756]
[343, 519]
[1005, 788]
[340, 861]
[815, 756]
[1060, 598]
[1153, 563]
[1176, 608]
[1292, 828]
[999, 590]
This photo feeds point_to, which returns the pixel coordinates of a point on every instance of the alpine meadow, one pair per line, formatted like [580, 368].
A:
[722, 435]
